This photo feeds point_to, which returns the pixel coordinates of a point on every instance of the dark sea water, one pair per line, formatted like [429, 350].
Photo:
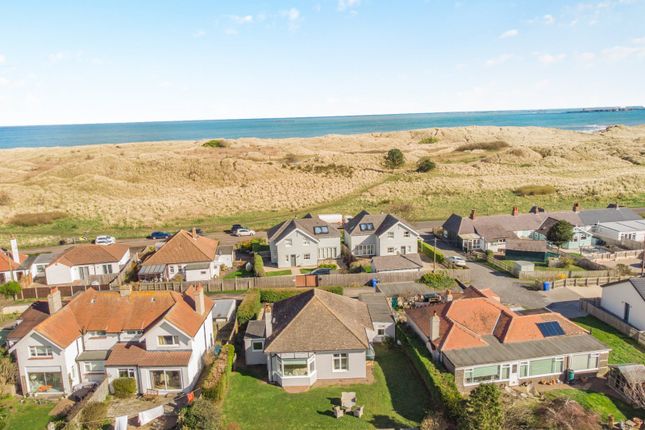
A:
[88, 134]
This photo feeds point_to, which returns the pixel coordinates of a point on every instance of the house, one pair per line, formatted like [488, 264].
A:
[10, 264]
[87, 264]
[526, 250]
[313, 336]
[158, 338]
[369, 235]
[303, 242]
[382, 316]
[397, 263]
[582, 236]
[480, 340]
[625, 233]
[626, 300]
[189, 256]
[36, 264]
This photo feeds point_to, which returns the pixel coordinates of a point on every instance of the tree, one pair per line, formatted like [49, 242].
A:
[484, 409]
[560, 232]
[425, 165]
[394, 158]
[201, 415]
[10, 289]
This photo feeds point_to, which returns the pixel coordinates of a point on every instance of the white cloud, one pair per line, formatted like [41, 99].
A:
[549, 58]
[500, 59]
[548, 19]
[618, 53]
[293, 18]
[344, 5]
[241, 20]
[2, 58]
[509, 33]
[4, 82]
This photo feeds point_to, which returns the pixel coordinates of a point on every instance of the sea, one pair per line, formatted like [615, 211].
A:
[585, 120]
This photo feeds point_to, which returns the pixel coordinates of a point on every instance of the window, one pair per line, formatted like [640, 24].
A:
[341, 362]
[257, 345]
[96, 333]
[165, 379]
[168, 340]
[584, 361]
[406, 234]
[506, 371]
[380, 332]
[368, 226]
[305, 241]
[294, 367]
[126, 373]
[171, 269]
[390, 235]
[545, 366]
[524, 369]
[40, 351]
[107, 269]
[288, 242]
[322, 229]
[307, 256]
[482, 374]
[45, 382]
[364, 250]
[312, 366]
[390, 250]
[93, 367]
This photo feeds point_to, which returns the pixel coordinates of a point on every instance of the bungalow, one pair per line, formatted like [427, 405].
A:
[10, 264]
[87, 264]
[313, 336]
[630, 233]
[480, 340]
[158, 338]
[190, 256]
[397, 263]
[379, 235]
[303, 242]
[626, 300]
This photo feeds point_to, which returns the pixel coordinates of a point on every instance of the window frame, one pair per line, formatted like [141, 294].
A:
[337, 362]
[254, 342]
[172, 336]
[164, 371]
[49, 351]
[128, 370]
[97, 367]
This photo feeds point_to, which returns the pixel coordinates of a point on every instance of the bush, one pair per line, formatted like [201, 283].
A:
[94, 415]
[534, 190]
[359, 267]
[10, 289]
[328, 266]
[438, 281]
[486, 146]
[394, 158]
[250, 307]
[216, 143]
[124, 387]
[560, 232]
[483, 409]
[431, 251]
[425, 165]
[272, 295]
[428, 140]
[258, 265]
[8, 370]
[203, 414]
[251, 245]
[37, 218]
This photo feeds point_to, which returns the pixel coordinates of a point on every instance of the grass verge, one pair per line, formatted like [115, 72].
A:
[600, 403]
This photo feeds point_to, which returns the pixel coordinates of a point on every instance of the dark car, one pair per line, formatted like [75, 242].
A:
[159, 235]
[321, 271]
[236, 227]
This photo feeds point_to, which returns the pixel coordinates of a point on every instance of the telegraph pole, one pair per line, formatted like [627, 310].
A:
[434, 255]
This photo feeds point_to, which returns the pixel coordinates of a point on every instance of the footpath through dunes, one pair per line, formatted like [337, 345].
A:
[140, 185]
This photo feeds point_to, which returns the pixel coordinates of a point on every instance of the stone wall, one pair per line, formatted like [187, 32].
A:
[98, 395]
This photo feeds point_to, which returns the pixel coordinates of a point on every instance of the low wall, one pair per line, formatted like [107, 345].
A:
[592, 307]
[99, 394]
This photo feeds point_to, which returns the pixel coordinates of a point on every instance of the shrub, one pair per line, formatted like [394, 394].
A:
[258, 265]
[250, 307]
[275, 295]
[203, 414]
[431, 251]
[10, 289]
[7, 370]
[486, 146]
[483, 409]
[428, 140]
[255, 245]
[560, 232]
[439, 281]
[216, 143]
[93, 415]
[534, 190]
[327, 266]
[425, 165]
[4, 198]
[394, 158]
[124, 387]
[36, 218]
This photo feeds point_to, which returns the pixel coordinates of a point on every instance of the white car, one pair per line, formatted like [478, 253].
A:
[105, 240]
[244, 232]
[457, 260]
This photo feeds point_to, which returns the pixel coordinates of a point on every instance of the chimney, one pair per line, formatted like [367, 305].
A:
[516, 211]
[449, 296]
[200, 307]
[268, 321]
[125, 290]
[14, 251]
[194, 233]
[434, 326]
[54, 301]
[576, 207]
[472, 214]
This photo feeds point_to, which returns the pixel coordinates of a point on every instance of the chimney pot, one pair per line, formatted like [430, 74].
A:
[268, 321]
[200, 305]
[54, 301]
[194, 233]
[14, 251]
[434, 326]
[472, 214]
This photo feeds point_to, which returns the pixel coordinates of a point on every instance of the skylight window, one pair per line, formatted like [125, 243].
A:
[367, 226]
[550, 328]
[321, 229]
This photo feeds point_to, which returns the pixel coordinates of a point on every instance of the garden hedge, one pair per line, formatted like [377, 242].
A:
[431, 251]
[272, 295]
[124, 387]
[250, 307]
[258, 265]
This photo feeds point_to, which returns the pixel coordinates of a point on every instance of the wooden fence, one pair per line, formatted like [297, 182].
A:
[587, 282]
[548, 275]
[65, 291]
[614, 256]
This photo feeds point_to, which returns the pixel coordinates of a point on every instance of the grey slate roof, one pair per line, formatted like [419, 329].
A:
[93, 355]
[637, 283]
[382, 223]
[593, 216]
[45, 259]
[378, 307]
[255, 329]
[496, 352]
[223, 308]
[405, 289]
[279, 231]
[397, 262]
[225, 250]
[526, 245]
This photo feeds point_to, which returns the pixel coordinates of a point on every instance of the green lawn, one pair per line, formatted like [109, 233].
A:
[396, 399]
[599, 403]
[24, 416]
[306, 271]
[623, 348]
[279, 272]
[239, 273]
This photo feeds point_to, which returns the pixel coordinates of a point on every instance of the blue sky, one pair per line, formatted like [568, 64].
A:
[112, 61]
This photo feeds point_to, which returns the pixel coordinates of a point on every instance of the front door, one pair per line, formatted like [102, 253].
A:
[514, 376]
[626, 313]
[403, 250]
[293, 259]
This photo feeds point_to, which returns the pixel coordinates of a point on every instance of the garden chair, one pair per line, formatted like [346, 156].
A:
[358, 412]
[338, 412]
[348, 400]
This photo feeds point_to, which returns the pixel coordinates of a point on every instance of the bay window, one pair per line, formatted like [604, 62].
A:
[296, 367]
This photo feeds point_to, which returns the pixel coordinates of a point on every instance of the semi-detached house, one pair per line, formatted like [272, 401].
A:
[156, 337]
[87, 263]
[369, 235]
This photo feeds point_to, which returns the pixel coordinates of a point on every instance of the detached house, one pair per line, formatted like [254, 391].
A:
[480, 340]
[10, 264]
[87, 264]
[379, 235]
[313, 336]
[158, 338]
[303, 242]
[188, 255]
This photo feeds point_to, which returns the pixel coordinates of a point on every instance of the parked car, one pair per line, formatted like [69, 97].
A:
[104, 240]
[235, 228]
[159, 235]
[457, 260]
[244, 232]
[321, 271]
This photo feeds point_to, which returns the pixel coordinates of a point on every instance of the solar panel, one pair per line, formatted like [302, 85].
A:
[550, 328]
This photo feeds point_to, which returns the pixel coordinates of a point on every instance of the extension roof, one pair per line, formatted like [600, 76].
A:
[183, 248]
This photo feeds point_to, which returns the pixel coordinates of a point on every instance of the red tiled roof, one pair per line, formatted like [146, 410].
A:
[183, 248]
[135, 354]
[7, 263]
[91, 254]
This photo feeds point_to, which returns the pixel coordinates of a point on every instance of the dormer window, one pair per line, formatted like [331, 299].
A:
[321, 229]
[367, 226]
